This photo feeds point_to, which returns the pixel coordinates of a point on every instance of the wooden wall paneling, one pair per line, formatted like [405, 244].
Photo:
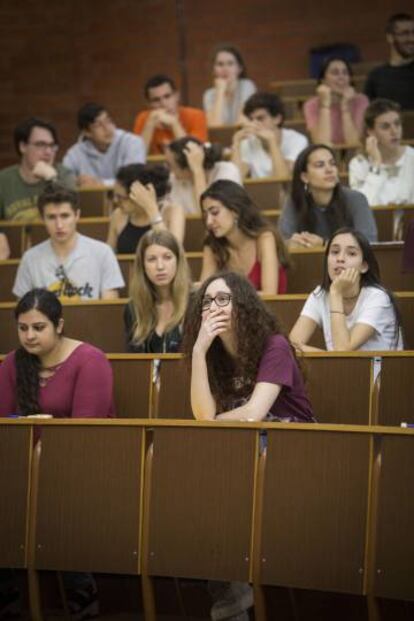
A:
[132, 386]
[222, 135]
[14, 232]
[395, 544]
[267, 194]
[195, 232]
[314, 510]
[15, 458]
[89, 500]
[174, 390]
[100, 324]
[339, 389]
[390, 261]
[396, 397]
[94, 202]
[306, 271]
[200, 515]
[8, 271]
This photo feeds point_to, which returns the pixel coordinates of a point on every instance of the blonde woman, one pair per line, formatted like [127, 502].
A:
[159, 293]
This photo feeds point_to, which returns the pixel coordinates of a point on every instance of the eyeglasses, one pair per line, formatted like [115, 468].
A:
[44, 145]
[221, 299]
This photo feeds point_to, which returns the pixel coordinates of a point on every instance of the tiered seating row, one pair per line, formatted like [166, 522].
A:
[317, 510]
[357, 388]
[305, 273]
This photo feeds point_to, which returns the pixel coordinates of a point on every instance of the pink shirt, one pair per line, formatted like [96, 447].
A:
[80, 388]
[358, 106]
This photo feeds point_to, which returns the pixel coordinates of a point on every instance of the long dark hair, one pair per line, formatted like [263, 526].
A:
[232, 378]
[370, 278]
[337, 212]
[249, 220]
[28, 365]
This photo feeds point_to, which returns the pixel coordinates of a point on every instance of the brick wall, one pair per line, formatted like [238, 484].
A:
[54, 56]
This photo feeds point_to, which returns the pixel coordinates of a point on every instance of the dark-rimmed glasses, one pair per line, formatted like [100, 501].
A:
[221, 299]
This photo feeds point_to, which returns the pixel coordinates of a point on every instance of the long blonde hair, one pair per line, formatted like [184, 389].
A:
[144, 295]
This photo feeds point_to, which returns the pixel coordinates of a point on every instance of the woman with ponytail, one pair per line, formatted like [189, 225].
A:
[50, 373]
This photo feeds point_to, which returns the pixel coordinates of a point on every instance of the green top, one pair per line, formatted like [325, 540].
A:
[18, 199]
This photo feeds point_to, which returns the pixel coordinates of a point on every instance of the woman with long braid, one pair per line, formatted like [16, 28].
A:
[50, 373]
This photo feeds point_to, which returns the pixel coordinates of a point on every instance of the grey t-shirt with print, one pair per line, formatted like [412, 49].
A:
[90, 269]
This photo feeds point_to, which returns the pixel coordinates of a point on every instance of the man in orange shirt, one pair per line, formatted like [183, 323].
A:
[166, 120]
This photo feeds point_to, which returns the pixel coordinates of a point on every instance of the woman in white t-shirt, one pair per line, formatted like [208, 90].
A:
[194, 166]
[353, 308]
[223, 103]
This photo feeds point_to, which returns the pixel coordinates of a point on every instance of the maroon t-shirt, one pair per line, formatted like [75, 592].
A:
[278, 366]
[81, 387]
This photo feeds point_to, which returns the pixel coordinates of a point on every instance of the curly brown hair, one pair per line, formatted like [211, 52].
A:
[232, 378]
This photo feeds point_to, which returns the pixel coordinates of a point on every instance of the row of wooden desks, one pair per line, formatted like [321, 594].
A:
[324, 507]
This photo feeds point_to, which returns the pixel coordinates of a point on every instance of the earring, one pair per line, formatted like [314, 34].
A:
[236, 221]
[305, 187]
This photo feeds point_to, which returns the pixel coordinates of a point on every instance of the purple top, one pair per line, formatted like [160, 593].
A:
[80, 388]
[278, 366]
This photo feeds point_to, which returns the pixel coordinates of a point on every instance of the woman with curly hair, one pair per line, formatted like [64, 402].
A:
[242, 366]
[159, 295]
[142, 203]
[240, 239]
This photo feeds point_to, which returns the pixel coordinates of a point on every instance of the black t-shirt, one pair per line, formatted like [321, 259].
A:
[396, 83]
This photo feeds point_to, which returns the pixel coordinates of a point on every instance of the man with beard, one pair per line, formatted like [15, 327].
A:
[395, 80]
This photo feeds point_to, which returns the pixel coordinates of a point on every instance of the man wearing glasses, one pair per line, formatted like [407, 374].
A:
[102, 148]
[36, 144]
[395, 80]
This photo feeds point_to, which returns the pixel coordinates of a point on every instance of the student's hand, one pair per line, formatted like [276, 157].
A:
[348, 94]
[345, 281]
[213, 323]
[195, 156]
[145, 197]
[373, 152]
[325, 95]
[268, 135]
[45, 171]
[243, 133]
[306, 239]
[4, 247]
[220, 84]
[166, 119]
